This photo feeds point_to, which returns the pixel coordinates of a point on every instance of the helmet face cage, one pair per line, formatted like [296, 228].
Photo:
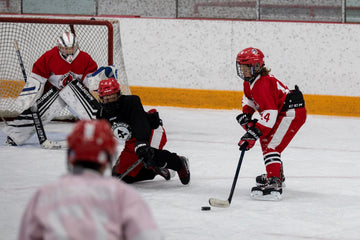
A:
[91, 141]
[67, 44]
[252, 58]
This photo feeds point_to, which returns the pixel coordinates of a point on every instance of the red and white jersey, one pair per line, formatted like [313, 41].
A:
[267, 96]
[53, 68]
[87, 206]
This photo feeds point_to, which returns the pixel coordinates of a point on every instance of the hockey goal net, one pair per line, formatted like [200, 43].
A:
[100, 38]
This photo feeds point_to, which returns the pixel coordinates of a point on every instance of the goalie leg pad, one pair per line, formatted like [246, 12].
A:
[49, 105]
[30, 93]
[81, 102]
[44, 110]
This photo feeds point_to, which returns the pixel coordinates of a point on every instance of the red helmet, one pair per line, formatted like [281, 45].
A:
[91, 141]
[108, 86]
[252, 57]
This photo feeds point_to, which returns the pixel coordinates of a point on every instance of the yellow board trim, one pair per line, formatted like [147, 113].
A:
[221, 99]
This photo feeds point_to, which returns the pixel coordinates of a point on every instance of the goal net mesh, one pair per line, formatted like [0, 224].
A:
[100, 38]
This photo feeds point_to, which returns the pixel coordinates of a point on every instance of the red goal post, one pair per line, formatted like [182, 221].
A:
[36, 35]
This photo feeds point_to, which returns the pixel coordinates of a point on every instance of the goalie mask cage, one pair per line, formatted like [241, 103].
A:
[100, 38]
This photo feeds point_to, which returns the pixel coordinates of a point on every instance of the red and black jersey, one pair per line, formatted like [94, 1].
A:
[129, 109]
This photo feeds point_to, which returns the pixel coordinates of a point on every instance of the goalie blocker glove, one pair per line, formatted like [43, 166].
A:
[248, 140]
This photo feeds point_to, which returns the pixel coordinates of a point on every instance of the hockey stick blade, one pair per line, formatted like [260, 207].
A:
[48, 144]
[219, 203]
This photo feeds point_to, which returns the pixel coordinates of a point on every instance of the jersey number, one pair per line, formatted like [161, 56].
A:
[266, 117]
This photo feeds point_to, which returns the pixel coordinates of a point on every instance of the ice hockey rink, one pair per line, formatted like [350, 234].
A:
[321, 200]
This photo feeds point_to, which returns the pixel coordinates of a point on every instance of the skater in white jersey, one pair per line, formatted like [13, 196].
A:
[84, 204]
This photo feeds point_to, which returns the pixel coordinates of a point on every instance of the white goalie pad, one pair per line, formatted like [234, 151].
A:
[22, 127]
[80, 101]
[30, 93]
[93, 80]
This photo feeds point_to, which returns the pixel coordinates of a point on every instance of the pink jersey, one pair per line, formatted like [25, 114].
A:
[267, 96]
[87, 206]
[52, 67]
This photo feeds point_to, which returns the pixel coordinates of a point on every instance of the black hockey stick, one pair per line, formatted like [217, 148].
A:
[226, 203]
[20, 60]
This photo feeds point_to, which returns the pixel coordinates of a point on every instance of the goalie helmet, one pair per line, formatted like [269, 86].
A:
[108, 86]
[91, 141]
[68, 46]
[251, 59]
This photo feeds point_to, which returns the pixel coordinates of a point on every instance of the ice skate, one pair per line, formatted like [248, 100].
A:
[167, 174]
[10, 142]
[262, 180]
[271, 190]
[184, 172]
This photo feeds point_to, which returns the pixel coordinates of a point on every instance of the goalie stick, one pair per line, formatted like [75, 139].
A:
[226, 203]
[20, 60]
[40, 131]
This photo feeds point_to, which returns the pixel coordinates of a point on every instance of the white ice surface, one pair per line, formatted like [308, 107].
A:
[321, 199]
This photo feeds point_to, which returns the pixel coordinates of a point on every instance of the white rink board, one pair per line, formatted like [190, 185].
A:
[322, 58]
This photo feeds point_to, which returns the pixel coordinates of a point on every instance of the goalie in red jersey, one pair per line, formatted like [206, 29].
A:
[282, 113]
[51, 73]
[63, 63]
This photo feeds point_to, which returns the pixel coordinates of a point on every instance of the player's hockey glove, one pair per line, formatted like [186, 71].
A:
[147, 153]
[248, 140]
[244, 119]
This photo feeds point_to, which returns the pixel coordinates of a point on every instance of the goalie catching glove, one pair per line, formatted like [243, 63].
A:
[104, 72]
[248, 140]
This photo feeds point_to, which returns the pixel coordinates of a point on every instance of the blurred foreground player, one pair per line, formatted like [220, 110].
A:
[282, 113]
[143, 134]
[83, 204]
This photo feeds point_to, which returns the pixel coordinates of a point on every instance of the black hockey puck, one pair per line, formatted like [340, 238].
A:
[205, 208]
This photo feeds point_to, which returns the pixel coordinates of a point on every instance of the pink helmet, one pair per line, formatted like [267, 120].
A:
[91, 141]
[108, 86]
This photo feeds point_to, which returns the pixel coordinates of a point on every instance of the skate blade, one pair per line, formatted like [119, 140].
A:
[273, 196]
[283, 185]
